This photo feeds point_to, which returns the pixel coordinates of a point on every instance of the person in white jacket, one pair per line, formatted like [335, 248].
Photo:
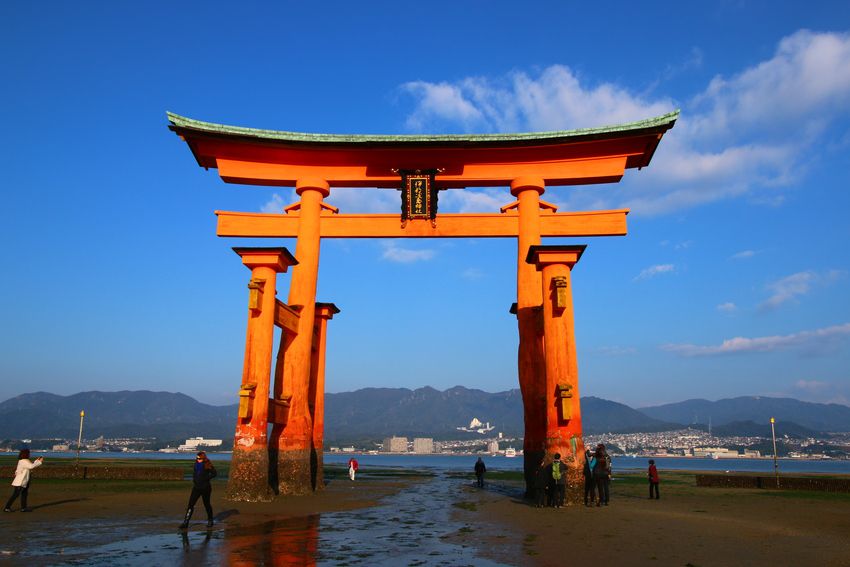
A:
[21, 483]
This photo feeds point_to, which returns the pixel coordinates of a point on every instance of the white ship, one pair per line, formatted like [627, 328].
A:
[510, 452]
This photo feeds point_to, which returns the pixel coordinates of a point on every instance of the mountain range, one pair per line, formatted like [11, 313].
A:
[375, 413]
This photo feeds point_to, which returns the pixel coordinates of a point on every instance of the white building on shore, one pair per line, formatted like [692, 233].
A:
[198, 443]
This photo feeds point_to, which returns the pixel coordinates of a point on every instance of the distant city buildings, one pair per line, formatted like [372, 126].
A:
[195, 443]
[395, 445]
[423, 445]
[476, 426]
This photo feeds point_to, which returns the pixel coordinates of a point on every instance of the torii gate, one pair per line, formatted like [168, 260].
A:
[290, 462]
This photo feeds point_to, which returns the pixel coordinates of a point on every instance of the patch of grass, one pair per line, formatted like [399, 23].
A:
[806, 494]
[470, 506]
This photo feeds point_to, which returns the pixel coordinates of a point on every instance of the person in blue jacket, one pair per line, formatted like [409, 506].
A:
[202, 473]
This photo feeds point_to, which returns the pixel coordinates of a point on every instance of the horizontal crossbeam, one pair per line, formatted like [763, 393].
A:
[484, 225]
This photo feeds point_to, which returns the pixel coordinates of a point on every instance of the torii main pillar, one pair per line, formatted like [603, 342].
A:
[562, 407]
[249, 469]
[530, 367]
[294, 441]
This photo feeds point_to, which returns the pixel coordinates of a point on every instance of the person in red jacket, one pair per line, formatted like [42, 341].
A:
[352, 467]
[652, 474]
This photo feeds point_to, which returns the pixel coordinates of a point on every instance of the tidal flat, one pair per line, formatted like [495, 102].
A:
[411, 517]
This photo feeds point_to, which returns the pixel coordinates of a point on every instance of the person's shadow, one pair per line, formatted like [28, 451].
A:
[57, 503]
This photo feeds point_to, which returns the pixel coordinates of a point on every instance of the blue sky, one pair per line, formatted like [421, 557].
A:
[733, 280]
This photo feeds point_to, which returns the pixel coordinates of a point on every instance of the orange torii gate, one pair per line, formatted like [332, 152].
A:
[290, 461]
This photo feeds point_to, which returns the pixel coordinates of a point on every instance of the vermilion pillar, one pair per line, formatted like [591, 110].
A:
[295, 440]
[324, 312]
[249, 470]
[563, 410]
[527, 190]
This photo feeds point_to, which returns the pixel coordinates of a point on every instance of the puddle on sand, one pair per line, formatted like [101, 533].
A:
[411, 527]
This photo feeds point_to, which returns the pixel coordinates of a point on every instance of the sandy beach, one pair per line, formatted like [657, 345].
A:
[384, 519]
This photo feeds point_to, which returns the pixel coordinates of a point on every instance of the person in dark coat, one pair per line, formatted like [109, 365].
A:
[602, 474]
[202, 473]
[480, 469]
[652, 474]
[589, 482]
[541, 483]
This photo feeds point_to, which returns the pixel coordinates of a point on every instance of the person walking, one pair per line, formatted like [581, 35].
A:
[589, 482]
[541, 483]
[21, 482]
[602, 474]
[652, 474]
[480, 469]
[202, 473]
[352, 467]
[559, 477]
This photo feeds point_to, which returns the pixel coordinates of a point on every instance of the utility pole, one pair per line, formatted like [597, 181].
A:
[80, 438]
[775, 463]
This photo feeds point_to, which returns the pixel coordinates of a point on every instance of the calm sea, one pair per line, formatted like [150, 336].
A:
[466, 462]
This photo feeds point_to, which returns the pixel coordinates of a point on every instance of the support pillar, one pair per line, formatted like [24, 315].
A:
[563, 409]
[249, 480]
[324, 312]
[294, 440]
[527, 190]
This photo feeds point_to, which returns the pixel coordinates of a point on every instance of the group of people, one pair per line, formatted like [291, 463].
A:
[597, 476]
[550, 483]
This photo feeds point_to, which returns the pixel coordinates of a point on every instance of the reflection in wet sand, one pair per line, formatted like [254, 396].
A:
[291, 541]
[411, 527]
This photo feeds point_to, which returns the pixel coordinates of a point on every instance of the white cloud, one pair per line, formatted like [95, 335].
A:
[744, 255]
[821, 391]
[472, 274]
[795, 285]
[274, 205]
[744, 135]
[727, 307]
[811, 340]
[395, 253]
[653, 271]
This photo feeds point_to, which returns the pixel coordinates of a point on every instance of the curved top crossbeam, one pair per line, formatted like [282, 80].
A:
[279, 158]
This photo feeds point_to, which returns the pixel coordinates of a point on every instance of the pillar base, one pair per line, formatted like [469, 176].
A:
[531, 462]
[249, 477]
[295, 471]
[575, 484]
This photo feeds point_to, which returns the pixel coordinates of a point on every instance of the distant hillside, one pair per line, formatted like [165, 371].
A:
[604, 416]
[753, 429]
[758, 409]
[375, 413]
[426, 412]
[114, 414]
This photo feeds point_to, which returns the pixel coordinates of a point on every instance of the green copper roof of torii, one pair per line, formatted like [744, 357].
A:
[662, 122]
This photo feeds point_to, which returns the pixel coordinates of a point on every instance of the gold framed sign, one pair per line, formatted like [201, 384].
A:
[418, 196]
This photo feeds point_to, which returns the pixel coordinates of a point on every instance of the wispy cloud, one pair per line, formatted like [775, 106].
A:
[811, 340]
[653, 271]
[743, 255]
[274, 205]
[791, 287]
[393, 252]
[744, 135]
[727, 307]
[821, 391]
[472, 274]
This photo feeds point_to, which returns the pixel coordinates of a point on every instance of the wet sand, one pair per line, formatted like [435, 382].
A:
[688, 526]
[440, 520]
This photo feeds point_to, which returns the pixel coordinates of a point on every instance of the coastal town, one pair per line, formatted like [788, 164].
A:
[686, 442]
